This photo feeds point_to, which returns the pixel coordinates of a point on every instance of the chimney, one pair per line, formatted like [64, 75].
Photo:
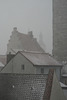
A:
[30, 33]
[10, 56]
[14, 30]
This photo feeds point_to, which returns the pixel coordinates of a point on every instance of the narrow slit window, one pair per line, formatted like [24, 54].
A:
[22, 67]
[42, 70]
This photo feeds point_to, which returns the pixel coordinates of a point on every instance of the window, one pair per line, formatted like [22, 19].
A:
[66, 82]
[22, 67]
[42, 70]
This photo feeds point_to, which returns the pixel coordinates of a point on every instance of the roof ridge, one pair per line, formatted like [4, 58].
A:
[22, 33]
[34, 52]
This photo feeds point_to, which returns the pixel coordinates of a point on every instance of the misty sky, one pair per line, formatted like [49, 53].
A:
[26, 15]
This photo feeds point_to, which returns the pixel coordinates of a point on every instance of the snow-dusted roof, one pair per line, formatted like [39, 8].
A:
[64, 75]
[22, 86]
[1, 64]
[63, 85]
[38, 58]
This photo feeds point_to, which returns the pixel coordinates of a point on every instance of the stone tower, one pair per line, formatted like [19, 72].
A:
[60, 29]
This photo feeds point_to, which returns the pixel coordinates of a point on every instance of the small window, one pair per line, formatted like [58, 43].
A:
[42, 70]
[22, 67]
[66, 82]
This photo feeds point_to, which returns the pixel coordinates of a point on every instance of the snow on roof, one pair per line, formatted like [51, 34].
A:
[39, 58]
[1, 64]
[64, 75]
[14, 51]
[63, 85]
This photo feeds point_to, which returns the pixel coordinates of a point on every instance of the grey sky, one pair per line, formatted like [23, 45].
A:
[35, 15]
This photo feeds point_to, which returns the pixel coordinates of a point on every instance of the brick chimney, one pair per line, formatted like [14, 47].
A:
[30, 33]
[15, 29]
[10, 56]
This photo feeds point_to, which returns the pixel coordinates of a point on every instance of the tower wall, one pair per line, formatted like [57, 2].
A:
[60, 29]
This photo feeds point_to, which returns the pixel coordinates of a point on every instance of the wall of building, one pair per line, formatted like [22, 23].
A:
[19, 61]
[60, 29]
[46, 70]
[7, 68]
[65, 92]
[16, 66]
[19, 64]
[14, 43]
[22, 41]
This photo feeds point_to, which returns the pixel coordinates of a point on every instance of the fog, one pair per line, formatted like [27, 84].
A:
[26, 15]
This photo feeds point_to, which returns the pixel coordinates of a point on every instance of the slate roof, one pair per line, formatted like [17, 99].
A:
[22, 87]
[39, 58]
[53, 90]
[29, 87]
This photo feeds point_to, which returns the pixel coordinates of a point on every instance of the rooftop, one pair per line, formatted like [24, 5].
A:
[30, 87]
[27, 41]
[64, 75]
[63, 85]
[39, 58]
[22, 87]
[1, 64]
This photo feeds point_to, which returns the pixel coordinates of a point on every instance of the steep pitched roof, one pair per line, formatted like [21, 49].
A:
[39, 58]
[64, 86]
[30, 87]
[53, 90]
[22, 87]
[48, 88]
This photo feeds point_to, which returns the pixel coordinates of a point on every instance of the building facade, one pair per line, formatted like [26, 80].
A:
[20, 41]
[32, 63]
[60, 29]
